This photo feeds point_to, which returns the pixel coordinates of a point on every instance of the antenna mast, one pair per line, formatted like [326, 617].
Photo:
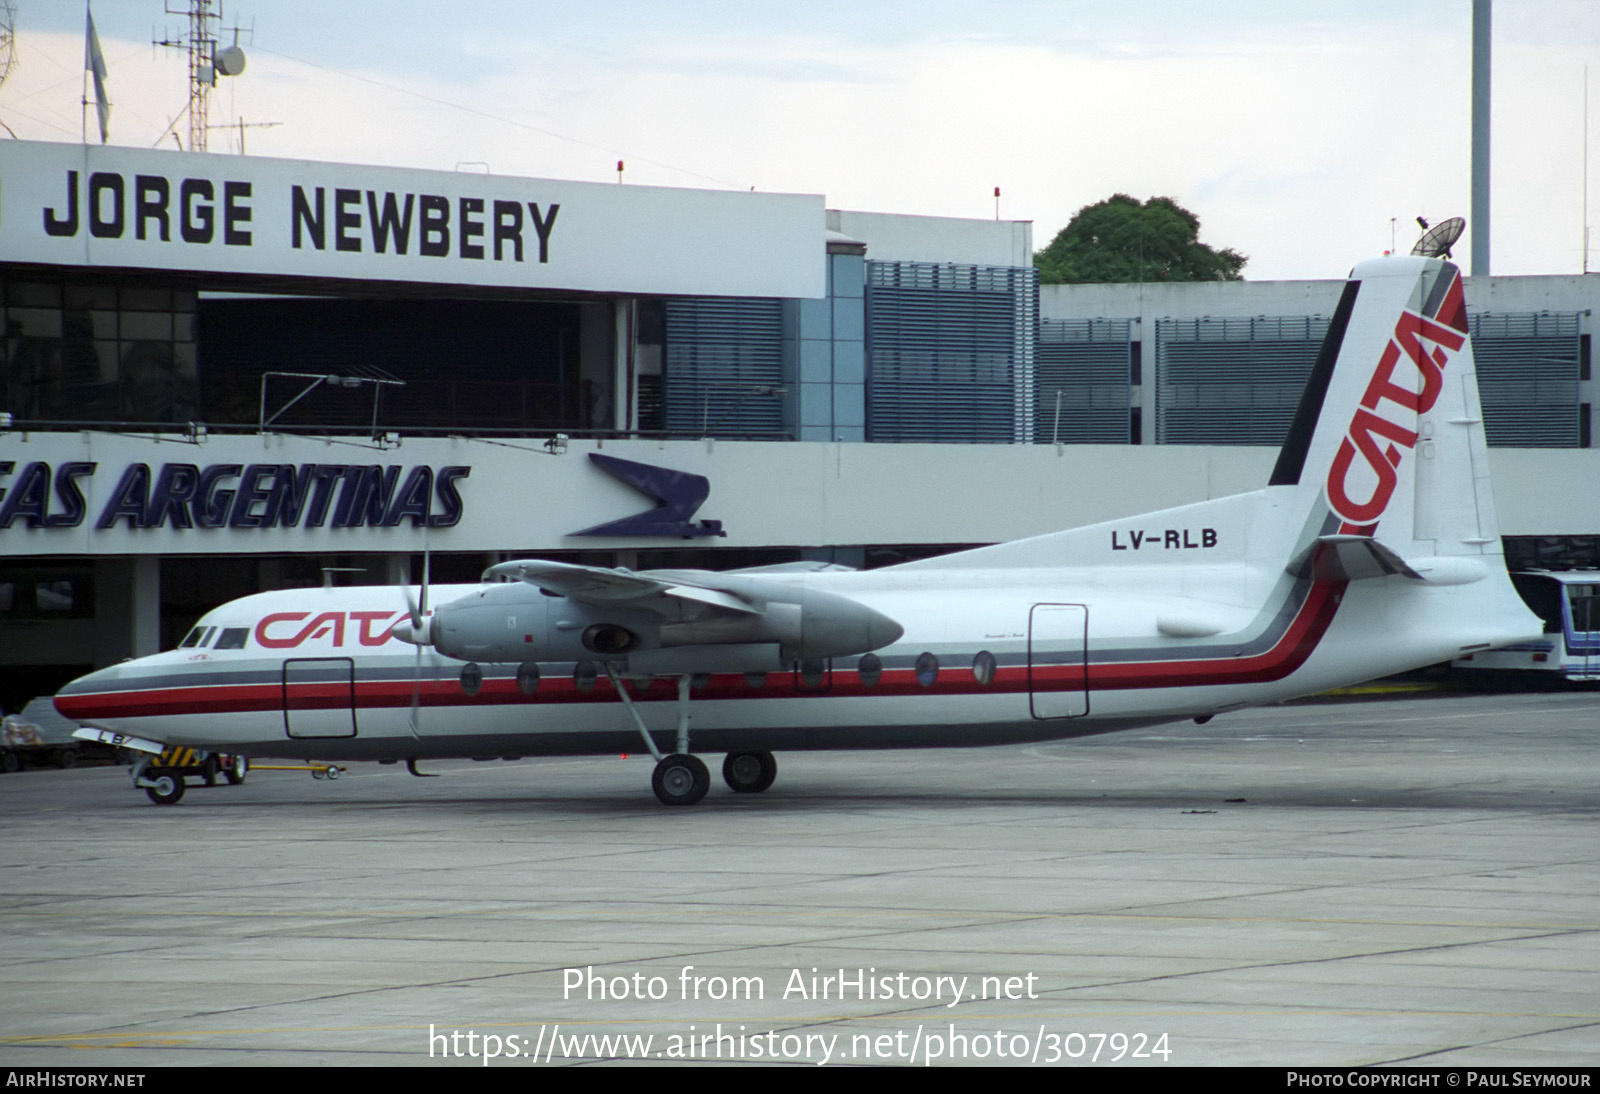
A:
[206, 62]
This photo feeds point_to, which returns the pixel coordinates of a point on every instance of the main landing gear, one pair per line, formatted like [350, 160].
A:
[749, 772]
[681, 778]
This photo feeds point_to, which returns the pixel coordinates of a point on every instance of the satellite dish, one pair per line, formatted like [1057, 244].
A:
[229, 60]
[1437, 241]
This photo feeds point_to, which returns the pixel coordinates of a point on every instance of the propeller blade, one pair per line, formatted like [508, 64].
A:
[415, 720]
[418, 636]
[416, 613]
[427, 561]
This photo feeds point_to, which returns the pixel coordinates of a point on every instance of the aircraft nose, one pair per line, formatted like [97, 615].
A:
[81, 698]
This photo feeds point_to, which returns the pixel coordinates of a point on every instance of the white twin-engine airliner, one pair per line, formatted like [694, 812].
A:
[1373, 549]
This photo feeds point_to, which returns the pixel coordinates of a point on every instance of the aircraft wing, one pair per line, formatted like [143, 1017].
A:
[596, 585]
[802, 567]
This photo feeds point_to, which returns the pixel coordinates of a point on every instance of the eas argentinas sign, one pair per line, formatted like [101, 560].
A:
[232, 495]
[124, 208]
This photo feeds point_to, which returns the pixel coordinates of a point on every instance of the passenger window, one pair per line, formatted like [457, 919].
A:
[983, 667]
[584, 675]
[870, 670]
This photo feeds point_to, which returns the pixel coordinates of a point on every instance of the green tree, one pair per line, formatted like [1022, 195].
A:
[1121, 240]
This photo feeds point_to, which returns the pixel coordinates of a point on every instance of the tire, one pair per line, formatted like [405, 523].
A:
[210, 769]
[680, 779]
[749, 772]
[235, 772]
[168, 789]
[10, 761]
[67, 758]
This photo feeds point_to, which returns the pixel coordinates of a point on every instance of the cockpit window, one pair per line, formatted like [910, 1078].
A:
[200, 637]
[233, 638]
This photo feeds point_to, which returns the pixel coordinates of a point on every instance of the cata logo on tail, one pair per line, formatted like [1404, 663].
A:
[1370, 428]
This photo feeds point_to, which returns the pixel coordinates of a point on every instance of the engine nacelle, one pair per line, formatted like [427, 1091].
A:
[516, 622]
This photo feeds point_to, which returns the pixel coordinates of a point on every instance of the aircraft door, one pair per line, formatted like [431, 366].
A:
[319, 697]
[1058, 675]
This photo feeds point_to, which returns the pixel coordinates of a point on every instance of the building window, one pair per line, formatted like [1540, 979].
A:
[47, 594]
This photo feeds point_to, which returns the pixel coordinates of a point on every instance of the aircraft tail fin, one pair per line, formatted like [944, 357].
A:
[1389, 435]
[1387, 444]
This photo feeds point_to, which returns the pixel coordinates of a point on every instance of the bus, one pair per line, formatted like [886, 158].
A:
[1569, 603]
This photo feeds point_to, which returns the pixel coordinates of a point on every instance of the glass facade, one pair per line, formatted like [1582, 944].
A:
[1232, 380]
[1083, 381]
[950, 352]
[78, 350]
[724, 368]
[465, 364]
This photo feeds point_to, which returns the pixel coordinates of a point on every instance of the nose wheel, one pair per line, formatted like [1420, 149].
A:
[680, 779]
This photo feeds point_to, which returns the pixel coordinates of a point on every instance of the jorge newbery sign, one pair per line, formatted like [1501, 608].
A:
[84, 205]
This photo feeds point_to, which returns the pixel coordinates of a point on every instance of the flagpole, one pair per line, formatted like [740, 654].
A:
[83, 108]
[94, 65]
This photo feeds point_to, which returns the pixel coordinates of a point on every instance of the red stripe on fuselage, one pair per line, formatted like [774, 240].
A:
[1298, 642]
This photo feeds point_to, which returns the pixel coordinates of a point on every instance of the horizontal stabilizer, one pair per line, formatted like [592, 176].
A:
[1349, 558]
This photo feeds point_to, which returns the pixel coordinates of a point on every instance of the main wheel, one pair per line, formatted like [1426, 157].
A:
[168, 789]
[235, 771]
[210, 769]
[680, 779]
[749, 772]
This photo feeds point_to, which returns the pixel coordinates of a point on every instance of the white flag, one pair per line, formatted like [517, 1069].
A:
[95, 62]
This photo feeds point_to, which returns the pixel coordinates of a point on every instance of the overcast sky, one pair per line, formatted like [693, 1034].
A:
[1304, 136]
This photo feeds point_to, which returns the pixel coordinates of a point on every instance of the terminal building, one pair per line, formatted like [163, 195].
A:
[226, 374]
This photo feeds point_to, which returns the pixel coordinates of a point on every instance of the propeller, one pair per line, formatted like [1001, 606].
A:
[418, 634]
